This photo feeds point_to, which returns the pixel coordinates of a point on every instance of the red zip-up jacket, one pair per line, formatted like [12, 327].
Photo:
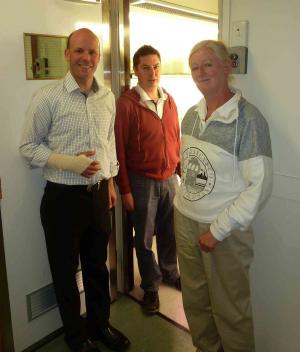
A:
[146, 145]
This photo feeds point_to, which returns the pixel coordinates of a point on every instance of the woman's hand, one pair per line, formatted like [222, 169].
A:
[207, 242]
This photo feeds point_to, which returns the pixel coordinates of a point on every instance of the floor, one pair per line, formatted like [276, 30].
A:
[166, 331]
[146, 333]
[170, 299]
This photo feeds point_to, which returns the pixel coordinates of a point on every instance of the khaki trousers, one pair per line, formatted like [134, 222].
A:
[215, 287]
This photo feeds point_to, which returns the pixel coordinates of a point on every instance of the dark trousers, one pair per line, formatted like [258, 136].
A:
[153, 214]
[76, 223]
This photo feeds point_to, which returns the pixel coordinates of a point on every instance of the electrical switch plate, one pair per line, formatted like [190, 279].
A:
[239, 57]
[239, 33]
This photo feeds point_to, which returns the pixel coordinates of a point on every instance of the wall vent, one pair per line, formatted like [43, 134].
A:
[40, 301]
[43, 300]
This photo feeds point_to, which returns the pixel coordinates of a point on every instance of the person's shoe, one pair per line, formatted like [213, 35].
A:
[86, 346]
[151, 302]
[111, 338]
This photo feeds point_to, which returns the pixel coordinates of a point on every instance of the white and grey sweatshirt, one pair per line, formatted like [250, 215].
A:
[226, 165]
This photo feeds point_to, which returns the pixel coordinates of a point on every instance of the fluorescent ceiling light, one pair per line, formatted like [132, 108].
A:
[87, 1]
[170, 6]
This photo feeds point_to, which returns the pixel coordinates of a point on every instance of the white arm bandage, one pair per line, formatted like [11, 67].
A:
[75, 163]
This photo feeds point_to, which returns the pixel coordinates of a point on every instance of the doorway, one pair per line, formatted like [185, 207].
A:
[168, 28]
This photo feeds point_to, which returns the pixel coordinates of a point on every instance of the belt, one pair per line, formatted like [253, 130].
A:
[88, 188]
[95, 186]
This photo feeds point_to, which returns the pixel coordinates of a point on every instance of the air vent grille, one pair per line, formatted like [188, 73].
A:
[43, 300]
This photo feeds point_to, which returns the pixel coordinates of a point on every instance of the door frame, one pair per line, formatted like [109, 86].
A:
[6, 332]
[116, 64]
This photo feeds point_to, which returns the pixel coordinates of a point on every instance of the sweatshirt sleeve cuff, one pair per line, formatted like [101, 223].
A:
[218, 233]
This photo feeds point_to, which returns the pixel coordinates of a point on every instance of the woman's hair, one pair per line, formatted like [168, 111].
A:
[218, 47]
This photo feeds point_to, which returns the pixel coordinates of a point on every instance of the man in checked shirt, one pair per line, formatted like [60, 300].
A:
[70, 134]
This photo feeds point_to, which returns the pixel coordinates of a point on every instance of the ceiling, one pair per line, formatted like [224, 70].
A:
[210, 6]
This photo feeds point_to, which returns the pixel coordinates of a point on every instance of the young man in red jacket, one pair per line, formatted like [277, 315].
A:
[147, 140]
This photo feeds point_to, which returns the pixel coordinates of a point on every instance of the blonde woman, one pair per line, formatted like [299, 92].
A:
[226, 162]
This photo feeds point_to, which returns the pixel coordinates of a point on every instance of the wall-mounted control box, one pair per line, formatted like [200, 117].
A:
[239, 33]
[238, 56]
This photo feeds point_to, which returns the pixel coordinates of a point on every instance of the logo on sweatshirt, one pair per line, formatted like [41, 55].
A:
[198, 176]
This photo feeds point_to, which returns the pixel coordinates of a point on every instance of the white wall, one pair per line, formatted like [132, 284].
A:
[27, 265]
[272, 84]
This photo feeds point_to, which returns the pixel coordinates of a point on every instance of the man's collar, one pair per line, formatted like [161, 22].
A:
[71, 84]
[145, 97]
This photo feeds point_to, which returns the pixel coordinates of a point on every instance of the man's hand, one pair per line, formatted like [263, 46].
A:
[128, 201]
[112, 195]
[93, 168]
[207, 242]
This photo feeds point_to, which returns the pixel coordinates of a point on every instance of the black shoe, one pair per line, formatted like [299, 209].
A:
[111, 338]
[86, 346]
[151, 302]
